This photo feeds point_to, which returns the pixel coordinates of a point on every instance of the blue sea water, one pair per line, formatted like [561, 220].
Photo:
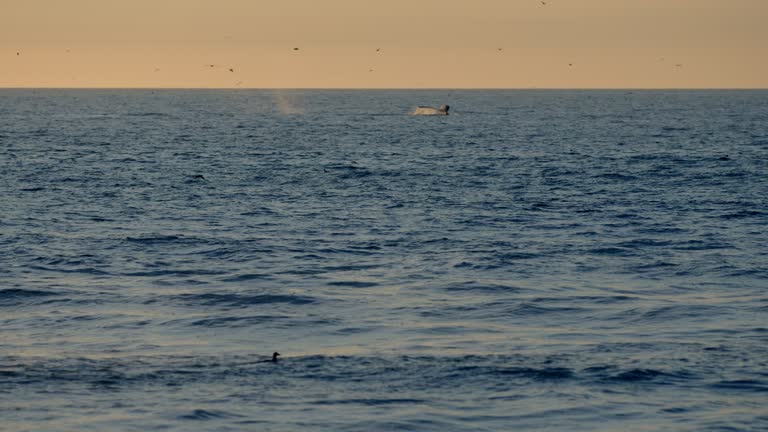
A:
[538, 260]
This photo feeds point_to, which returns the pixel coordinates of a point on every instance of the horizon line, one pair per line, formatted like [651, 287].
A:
[382, 88]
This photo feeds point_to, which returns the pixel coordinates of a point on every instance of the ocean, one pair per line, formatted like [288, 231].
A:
[556, 260]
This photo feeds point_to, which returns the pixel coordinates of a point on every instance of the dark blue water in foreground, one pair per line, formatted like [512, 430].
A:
[540, 260]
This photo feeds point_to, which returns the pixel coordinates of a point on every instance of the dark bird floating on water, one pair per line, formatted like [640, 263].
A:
[275, 355]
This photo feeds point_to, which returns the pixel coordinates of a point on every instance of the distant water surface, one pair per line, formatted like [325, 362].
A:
[537, 260]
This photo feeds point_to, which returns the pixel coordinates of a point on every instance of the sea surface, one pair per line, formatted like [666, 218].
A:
[537, 260]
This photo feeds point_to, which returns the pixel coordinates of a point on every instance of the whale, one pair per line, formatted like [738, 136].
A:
[425, 110]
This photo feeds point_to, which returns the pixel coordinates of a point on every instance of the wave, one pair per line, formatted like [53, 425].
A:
[635, 375]
[150, 239]
[353, 284]
[477, 287]
[370, 402]
[236, 300]
[149, 114]
[236, 322]
[472, 370]
[256, 321]
[203, 415]
[743, 385]
[175, 272]
[674, 313]
[247, 277]
[83, 270]
[19, 296]
[611, 251]
[745, 214]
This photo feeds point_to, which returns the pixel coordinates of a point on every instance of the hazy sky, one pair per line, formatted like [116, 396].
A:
[421, 43]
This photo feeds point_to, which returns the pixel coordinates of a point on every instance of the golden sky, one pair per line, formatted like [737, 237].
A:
[384, 44]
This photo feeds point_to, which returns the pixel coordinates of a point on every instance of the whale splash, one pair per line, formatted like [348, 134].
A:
[424, 110]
